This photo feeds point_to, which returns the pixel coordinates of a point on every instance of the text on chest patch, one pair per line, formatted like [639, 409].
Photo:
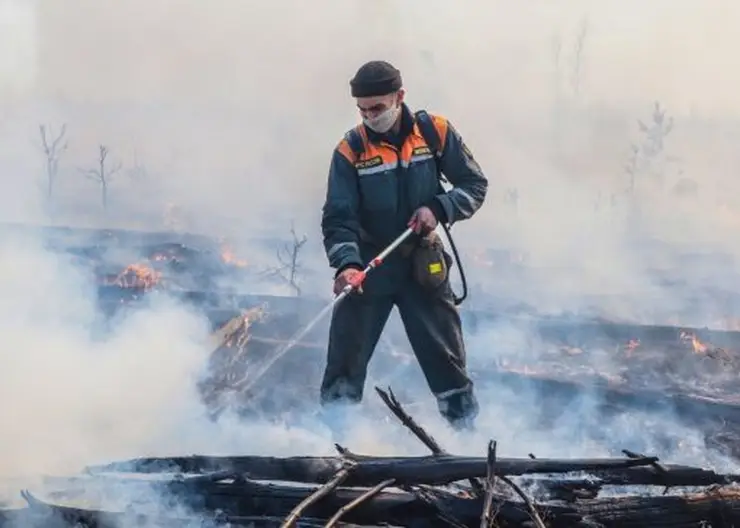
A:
[368, 163]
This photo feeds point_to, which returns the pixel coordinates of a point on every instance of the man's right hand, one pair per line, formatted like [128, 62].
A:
[351, 276]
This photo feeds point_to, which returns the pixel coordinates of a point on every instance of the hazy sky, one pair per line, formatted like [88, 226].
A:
[235, 106]
[681, 51]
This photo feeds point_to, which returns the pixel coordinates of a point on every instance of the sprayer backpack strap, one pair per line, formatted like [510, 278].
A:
[354, 140]
[428, 132]
[431, 136]
[432, 139]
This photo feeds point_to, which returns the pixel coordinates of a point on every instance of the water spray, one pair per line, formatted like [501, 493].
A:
[247, 382]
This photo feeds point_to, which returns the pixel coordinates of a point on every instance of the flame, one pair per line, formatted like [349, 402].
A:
[137, 276]
[696, 345]
[228, 256]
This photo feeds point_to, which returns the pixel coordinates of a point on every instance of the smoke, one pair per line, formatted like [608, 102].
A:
[73, 391]
[223, 117]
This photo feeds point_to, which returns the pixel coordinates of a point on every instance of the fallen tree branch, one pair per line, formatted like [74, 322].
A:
[397, 409]
[530, 505]
[369, 494]
[487, 517]
[407, 421]
[425, 470]
[658, 468]
[320, 493]
[40, 511]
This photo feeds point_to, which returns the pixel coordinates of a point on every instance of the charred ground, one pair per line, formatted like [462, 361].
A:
[688, 374]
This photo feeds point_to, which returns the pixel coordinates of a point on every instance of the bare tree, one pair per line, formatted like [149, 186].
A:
[647, 157]
[138, 171]
[103, 173]
[288, 261]
[53, 149]
[577, 59]
[556, 45]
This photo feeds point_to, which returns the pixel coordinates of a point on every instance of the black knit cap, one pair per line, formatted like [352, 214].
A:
[375, 78]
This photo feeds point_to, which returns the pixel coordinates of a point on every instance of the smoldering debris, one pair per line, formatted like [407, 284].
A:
[686, 372]
[680, 372]
[356, 490]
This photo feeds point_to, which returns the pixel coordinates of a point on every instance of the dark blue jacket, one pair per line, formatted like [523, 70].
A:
[370, 199]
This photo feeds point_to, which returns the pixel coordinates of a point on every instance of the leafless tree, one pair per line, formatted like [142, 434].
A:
[647, 157]
[53, 149]
[138, 171]
[577, 59]
[103, 173]
[288, 261]
[556, 45]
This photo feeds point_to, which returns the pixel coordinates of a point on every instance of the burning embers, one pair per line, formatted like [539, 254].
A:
[704, 349]
[176, 265]
[690, 338]
[687, 340]
[139, 276]
[229, 257]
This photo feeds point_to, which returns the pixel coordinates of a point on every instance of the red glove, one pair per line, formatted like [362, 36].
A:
[349, 276]
[423, 221]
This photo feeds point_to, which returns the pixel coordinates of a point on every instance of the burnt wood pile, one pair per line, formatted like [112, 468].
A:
[356, 490]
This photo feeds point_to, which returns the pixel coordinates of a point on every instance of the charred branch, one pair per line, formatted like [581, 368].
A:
[395, 407]
[369, 494]
[539, 523]
[46, 515]
[487, 517]
[317, 495]
[433, 470]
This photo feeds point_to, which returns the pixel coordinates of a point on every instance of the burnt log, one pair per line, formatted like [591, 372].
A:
[715, 509]
[42, 514]
[242, 498]
[240, 502]
[427, 469]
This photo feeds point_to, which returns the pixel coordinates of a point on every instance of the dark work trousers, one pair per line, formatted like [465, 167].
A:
[433, 326]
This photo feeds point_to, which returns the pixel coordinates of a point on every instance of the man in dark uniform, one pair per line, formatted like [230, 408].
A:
[384, 178]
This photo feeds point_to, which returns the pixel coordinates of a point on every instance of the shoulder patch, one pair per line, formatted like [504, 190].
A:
[372, 162]
[345, 150]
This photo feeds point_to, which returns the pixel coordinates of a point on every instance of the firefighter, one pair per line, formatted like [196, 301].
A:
[383, 179]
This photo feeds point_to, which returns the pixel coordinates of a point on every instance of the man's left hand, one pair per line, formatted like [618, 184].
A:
[423, 221]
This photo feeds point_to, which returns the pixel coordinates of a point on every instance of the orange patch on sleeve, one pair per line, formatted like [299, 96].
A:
[344, 149]
[441, 124]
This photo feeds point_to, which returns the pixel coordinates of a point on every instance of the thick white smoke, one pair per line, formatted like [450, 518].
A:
[224, 115]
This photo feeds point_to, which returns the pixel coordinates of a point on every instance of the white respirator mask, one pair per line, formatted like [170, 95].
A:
[383, 122]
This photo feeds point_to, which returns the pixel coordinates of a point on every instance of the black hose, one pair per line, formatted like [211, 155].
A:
[458, 300]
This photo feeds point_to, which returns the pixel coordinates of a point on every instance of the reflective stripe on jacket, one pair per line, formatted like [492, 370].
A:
[370, 199]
